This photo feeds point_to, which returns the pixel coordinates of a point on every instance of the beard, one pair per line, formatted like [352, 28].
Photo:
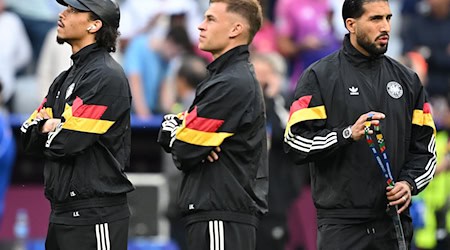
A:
[60, 40]
[370, 47]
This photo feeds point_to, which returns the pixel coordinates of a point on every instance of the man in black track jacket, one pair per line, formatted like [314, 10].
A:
[334, 99]
[220, 143]
[83, 130]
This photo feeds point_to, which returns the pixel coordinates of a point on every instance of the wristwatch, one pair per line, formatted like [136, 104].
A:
[347, 133]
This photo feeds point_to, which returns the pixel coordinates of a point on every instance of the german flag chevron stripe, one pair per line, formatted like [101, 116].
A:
[201, 131]
[423, 117]
[300, 112]
[85, 118]
[41, 106]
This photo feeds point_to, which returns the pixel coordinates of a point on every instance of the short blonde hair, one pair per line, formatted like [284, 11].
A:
[251, 10]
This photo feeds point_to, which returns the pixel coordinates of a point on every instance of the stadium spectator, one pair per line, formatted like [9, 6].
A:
[15, 52]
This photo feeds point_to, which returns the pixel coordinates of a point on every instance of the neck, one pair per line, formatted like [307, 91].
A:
[77, 45]
[357, 47]
[231, 45]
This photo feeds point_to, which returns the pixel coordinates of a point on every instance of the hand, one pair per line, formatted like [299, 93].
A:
[400, 194]
[358, 129]
[171, 124]
[168, 131]
[50, 125]
[42, 114]
[213, 156]
[172, 117]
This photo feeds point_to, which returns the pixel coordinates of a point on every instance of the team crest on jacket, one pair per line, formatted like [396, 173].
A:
[394, 89]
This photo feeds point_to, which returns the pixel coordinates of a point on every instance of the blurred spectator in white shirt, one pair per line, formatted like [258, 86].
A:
[38, 17]
[153, 17]
[15, 51]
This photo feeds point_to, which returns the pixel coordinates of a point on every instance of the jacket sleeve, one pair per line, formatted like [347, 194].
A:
[306, 137]
[420, 165]
[216, 116]
[32, 140]
[92, 110]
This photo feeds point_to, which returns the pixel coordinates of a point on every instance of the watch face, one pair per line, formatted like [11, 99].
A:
[347, 133]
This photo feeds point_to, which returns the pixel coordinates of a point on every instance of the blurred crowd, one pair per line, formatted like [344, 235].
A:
[163, 64]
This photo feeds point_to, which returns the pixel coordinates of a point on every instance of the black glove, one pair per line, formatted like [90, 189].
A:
[168, 130]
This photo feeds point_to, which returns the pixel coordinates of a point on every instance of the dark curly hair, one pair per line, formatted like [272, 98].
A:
[106, 37]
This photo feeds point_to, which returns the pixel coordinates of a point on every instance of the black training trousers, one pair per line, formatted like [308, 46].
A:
[375, 235]
[220, 235]
[105, 236]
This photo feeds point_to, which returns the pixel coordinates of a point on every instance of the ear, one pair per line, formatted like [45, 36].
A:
[236, 30]
[95, 26]
[350, 24]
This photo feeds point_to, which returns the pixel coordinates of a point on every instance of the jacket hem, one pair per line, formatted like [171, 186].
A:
[89, 203]
[349, 213]
[221, 215]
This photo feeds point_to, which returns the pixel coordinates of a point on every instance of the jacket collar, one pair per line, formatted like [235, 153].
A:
[356, 57]
[81, 56]
[228, 58]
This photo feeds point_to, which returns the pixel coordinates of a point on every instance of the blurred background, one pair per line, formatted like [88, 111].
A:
[158, 50]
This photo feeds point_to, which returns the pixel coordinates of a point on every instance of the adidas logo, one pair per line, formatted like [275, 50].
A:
[353, 90]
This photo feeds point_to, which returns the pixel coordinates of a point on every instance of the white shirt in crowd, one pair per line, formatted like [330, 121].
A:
[15, 51]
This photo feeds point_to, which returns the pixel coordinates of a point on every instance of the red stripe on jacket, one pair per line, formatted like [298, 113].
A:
[301, 103]
[87, 111]
[193, 121]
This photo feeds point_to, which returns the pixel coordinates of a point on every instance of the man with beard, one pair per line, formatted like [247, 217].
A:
[341, 103]
[82, 128]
